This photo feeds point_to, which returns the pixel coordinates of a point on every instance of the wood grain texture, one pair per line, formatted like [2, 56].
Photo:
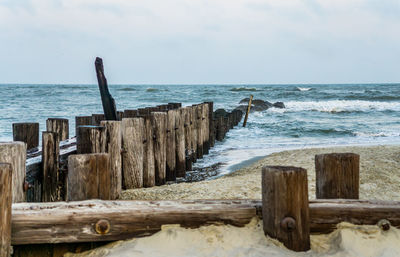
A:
[89, 177]
[112, 144]
[5, 208]
[285, 197]
[159, 125]
[26, 132]
[39, 223]
[171, 146]
[97, 118]
[133, 153]
[110, 111]
[211, 123]
[82, 121]
[193, 122]
[199, 130]
[15, 154]
[180, 143]
[130, 113]
[188, 137]
[149, 179]
[337, 175]
[89, 139]
[50, 165]
[60, 126]
[206, 128]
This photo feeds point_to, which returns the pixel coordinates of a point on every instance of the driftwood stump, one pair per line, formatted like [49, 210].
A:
[28, 133]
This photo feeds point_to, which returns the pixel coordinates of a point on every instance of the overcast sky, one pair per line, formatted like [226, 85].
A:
[200, 41]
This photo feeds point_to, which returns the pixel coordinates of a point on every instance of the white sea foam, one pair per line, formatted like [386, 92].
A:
[303, 88]
[337, 106]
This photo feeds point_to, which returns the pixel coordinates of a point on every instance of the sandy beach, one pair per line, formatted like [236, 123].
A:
[379, 168]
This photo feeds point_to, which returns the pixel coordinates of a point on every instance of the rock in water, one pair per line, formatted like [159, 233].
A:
[280, 105]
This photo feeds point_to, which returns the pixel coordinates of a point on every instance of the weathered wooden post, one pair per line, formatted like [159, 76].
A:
[206, 128]
[97, 118]
[248, 110]
[120, 115]
[285, 206]
[130, 113]
[188, 138]
[211, 123]
[88, 177]
[111, 139]
[60, 126]
[199, 128]
[89, 139]
[50, 165]
[180, 143]
[82, 121]
[220, 128]
[110, 111]
[15, 154]
[171, 145]
[337, 175]
[148, 153]
[28, 133]
[5, 208]
[133, 153]
[159, 126]
[193, 124]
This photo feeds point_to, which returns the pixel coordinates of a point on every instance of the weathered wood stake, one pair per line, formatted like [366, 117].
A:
[89, 139]
[180, 143]
[15, 154]
[148, 152]
[159, 125]
[133, 152]
[171, 145]
[285, 206]
[248, 110]
[60, 126]
[28, 133]
[82, 121]
[97, 118]
[5, 208]
[110, 111]
[337, 175]
[50, 164]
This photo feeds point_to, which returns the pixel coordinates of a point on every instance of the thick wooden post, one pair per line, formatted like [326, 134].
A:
[199, 129]
[82, 121]
[171, 146]
[337, 175]
[111, 139]
[28, 133]
[110, 111]
[50, 164]
[211, 123]
[188, 138]
[193, 124]
[60, 126]
[88, 177]
[285, 206]
[206, 128]
[148, 152]
[248, 111]
[89, 139]
[220, 128]
[130, 113]
[133, 152]
[180, 143]
[5, 208]
[159, 125]
[15, 154]
[97, 118]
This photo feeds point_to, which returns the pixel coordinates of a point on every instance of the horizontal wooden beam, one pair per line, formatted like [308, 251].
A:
[96, 220]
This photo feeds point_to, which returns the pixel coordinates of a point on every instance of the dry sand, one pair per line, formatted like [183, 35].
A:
[379, 169]
[379, 179]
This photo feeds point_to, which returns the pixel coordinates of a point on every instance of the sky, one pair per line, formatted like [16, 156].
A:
[200, 41]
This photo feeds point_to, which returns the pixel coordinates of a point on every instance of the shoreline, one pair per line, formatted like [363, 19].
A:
[378, 167]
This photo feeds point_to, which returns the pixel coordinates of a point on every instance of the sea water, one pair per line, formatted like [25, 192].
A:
[315, 115]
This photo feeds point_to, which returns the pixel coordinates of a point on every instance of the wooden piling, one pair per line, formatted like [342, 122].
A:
[220, 128]
[88, 177]
[89, 139]
[60, 126]
[82, 121]
[171, 146]
[159, 126]
[188, 138]
[199, 129]
[211, 123]
[180, 143]
[28, 133]
[337, 175]
[148, 151]
[110, 111]
[133, 152]
[97, 118]
[248, 111]
[5, 208]
[130, 113]
[50, 166]
[111, 139]
[285, 206]
[206, 128]
[193, 124]
[15, 154]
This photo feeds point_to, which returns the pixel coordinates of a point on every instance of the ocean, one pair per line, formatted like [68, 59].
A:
[315, 115]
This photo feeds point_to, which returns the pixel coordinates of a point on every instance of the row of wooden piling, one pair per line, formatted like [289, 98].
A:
[144, 148]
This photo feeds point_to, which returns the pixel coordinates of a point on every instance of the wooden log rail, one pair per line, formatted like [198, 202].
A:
[96, 220]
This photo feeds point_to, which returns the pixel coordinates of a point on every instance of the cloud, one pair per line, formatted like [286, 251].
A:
[201, 40]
